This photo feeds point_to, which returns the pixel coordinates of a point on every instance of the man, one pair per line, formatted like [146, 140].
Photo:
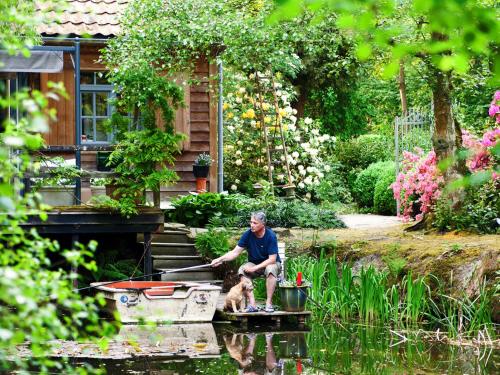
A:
[261, 245]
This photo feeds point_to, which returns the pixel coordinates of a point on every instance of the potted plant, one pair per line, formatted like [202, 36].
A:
[56, 185]
[201, 167]
[294, 294]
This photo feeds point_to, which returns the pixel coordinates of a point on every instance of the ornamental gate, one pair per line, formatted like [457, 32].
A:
[410, 131]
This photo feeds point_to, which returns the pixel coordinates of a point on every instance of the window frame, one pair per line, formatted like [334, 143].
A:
[94, 89]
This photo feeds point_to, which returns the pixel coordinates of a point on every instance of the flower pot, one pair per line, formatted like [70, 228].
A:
[58, 195]
[200, 170]
[201, 185]
[293, 298]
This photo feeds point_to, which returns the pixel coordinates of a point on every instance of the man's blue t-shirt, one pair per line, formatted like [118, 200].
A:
[259, 249]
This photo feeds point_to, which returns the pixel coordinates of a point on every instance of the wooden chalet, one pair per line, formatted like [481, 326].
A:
[82, 136]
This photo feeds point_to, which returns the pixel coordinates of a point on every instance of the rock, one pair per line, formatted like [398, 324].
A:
[373, 260]
[469, 277]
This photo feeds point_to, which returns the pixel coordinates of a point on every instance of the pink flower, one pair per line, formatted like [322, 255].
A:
[494, 109]
[497, 95]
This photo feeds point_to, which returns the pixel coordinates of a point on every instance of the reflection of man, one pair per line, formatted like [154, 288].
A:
[263, 259]
[244, 355]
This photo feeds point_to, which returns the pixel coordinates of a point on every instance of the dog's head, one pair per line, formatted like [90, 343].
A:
[246, 284]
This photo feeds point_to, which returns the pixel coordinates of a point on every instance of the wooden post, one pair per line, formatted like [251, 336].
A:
[148, 263]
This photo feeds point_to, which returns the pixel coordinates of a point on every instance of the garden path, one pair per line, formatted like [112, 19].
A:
[367, 221]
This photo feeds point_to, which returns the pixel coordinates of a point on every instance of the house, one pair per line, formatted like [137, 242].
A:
[88, 24]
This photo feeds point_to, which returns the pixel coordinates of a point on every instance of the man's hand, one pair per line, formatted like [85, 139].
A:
[250, 269]
[216, 262]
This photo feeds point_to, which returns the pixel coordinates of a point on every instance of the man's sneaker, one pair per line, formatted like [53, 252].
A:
[269, 309]
[251, 309]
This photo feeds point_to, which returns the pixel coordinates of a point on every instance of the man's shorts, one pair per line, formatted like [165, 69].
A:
[271, 269]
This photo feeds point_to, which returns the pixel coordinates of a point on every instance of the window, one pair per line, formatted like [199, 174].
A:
[95, 93]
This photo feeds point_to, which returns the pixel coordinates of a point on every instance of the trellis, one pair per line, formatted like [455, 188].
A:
[403, 128]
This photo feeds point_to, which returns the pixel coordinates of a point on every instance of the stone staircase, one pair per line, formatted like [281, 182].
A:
[174, 249]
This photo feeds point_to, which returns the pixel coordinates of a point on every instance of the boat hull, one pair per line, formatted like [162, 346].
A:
[160, 301]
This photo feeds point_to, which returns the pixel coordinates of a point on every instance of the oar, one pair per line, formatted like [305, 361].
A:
[140, 277]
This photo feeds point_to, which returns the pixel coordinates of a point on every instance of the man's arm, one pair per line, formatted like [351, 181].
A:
[233, 254]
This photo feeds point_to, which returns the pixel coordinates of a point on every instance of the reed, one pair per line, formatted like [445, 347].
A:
[370, 298]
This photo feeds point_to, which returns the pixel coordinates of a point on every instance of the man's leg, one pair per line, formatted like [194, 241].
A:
[270, 288]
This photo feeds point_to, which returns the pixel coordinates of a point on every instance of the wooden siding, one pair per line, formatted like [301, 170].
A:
[198, 120]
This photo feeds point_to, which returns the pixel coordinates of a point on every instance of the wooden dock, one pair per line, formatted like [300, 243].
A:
[276, 317]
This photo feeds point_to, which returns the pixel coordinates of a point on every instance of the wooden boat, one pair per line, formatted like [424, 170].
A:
[159, 301]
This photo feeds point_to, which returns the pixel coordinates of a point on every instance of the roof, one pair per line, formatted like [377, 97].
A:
[85, 17]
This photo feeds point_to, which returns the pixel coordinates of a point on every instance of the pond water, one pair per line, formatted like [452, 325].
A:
[320, 349]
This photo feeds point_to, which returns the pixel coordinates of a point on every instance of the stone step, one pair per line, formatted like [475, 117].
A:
[176, 261]
[192, 275]
[167, 236]
[159, 248]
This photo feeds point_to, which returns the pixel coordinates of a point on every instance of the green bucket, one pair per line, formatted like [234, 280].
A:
[293, 298]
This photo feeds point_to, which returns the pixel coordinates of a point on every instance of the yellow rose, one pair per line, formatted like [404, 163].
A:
[225, 106]
[267, 120]
[230, 115]
[265, 106]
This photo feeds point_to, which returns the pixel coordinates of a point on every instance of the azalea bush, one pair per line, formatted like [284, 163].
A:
[418, 183]
[252, 104]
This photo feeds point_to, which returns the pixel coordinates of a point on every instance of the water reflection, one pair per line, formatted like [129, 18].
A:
[242, 348]
[325, 349]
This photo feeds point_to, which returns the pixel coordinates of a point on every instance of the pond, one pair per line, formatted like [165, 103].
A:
[320, 349]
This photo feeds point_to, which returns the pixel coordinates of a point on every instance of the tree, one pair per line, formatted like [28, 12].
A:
[37, 301]
[449, 36]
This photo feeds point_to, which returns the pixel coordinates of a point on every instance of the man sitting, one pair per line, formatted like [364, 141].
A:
[261, 245]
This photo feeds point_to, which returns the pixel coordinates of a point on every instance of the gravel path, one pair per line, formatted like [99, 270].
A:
[361, 221]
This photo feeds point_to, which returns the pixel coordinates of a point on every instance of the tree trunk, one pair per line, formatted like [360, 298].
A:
[445, 133]
[402, 88]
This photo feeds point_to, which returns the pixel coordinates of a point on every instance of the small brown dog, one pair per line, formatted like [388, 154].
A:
[236, 295]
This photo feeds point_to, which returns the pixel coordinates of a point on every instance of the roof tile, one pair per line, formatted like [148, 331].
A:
[94, 17]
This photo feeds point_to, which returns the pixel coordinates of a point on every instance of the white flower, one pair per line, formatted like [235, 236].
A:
[314, 152]
[294, 162]
[236, 181]
[293, 119]
[321, 175]
[310, 169]
[305, 145]
[251, 76]
[326, 137]
[278, 93]
[294, 111]
[315, 132]
[253, 123]
[308, 195]
[282, 157]
[242, 90]
[265, 167]
[292, 128]
[308, 180]
[295, 154]
[281, 177]
[300, 167]
[238, 100]
[302, 172]
[234, 187]
[284, 98]
[230, 128]
[308, 121]
[238, 153]
[239, 143]
[238, 162]
[301, 185]
[296, 139]
[327, 168]
[292, 179]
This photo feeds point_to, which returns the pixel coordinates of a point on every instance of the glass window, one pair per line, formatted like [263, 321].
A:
[95, 107]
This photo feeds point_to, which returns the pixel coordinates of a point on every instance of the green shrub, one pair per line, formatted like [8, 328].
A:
[292, 213]
[213, 244]
[197, 210]
[383, 198]
[364, 186]
[334, 186]
[364, 150]
[478, 213]
[417, 137]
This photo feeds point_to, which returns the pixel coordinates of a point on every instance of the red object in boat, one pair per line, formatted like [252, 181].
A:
[299, 366]
[150, 288]
[299, 278]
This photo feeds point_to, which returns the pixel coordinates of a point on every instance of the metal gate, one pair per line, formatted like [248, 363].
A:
[417, 125]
